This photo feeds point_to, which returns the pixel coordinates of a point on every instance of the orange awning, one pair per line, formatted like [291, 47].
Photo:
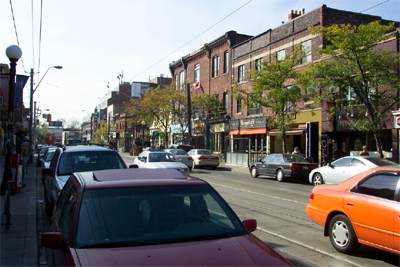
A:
[290, 132]
[248, 131]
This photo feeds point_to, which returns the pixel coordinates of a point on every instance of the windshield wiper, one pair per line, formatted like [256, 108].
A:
[118, 244]
[196, 238]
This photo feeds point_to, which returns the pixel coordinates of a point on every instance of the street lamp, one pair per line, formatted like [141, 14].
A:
[13, 53]
[32, 111]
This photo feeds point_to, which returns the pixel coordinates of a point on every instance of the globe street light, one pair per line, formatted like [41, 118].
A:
[13, 53]
[32, 111]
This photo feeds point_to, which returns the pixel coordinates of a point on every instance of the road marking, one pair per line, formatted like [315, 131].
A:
[261, 194]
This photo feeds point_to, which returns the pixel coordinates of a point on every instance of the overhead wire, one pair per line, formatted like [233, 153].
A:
[33, 39]
[16, 32]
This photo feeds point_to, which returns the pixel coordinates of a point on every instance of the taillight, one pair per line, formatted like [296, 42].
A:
[312, 167]
[216, 158]
[311, 196]
[190, 158]
[202, 157]
[295, 167]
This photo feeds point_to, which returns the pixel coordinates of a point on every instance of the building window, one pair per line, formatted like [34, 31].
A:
[197, 73]
[181, 79]
[226, 101]
[215, 66]
[226, 61]
[241, 73]
[306, 48]
[239, 106]
[280, 55]
[176, 82]
[290, 105]
[258, 64]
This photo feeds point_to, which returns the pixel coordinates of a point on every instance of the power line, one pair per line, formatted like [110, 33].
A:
[33, 39]
[16, 33]
[40, 34]
[194, 38]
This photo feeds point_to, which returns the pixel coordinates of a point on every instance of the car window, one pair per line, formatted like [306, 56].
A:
[268, 158]
[154, 215]
[357, 162]
[191, 153]
[49, 156]
[62, 199]
[383, 186]
[89, 161]
[277, 159]
[161, 157]
[293, 158]
[179, 152]
[342, 162]
[67, 212]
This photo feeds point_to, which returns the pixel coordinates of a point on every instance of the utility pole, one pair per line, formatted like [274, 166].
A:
[31, 143]
[189, 114]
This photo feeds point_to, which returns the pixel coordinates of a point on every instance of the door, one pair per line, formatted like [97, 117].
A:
[338, 172]
[276, 161]
[263, 167]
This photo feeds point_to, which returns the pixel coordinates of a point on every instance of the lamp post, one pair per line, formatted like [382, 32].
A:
[13, 53]
[32, 111]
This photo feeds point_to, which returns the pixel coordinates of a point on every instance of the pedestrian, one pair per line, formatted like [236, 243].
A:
[364, 152]
[289, 152]
[296, 151]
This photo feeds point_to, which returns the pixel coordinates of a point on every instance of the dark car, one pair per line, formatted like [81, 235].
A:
[283, 166]
[187, 148]
[150, 217]
[41, 153]
[70, 159]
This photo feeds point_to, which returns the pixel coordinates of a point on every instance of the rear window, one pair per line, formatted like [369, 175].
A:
[381, 161]
[89, 161]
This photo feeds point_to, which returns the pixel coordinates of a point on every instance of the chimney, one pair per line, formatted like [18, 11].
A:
[294, 14]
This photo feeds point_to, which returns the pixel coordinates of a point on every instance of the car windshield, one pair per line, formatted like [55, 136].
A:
[203, 152]
[293, 158]
[153, 215]
[161, 157]
[89, 161]
[381, 162]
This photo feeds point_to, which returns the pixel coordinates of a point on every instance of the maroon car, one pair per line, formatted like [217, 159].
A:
[150, 217]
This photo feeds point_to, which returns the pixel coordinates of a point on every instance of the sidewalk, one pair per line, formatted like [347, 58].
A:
[19, 244]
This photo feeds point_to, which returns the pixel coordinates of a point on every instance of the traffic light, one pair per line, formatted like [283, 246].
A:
[37, 121]
[48, 117]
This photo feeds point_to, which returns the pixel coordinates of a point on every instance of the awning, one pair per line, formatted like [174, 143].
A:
[248, 131]
[290, 132]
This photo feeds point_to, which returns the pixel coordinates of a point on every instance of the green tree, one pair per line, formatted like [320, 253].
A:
[276, 87]
[358, 76]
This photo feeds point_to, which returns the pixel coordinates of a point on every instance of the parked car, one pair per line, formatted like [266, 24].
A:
[38, 148]
[182, 157]
[70, 159]
[187, 148]
[344, 168]
[41, 153]
[362, 210]
[282, 167]
[159, 160]
[45, 161]
[150, 218]
[204, 158]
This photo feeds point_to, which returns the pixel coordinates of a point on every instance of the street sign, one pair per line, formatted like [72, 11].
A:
[156, 134]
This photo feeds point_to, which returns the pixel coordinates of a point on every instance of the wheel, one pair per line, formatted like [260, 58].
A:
[254, 172]
[317, 179]
[48, 207]
[342, 235]
[280, 176]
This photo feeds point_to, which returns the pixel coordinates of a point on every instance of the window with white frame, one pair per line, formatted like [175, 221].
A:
[258, 64]
[226, 61]
[176, 82]
[181, 80]
[280, 55]
[241, 73]
[197, 73]
[226, 100]
[239, 106]
[215, 66]
[306, 48]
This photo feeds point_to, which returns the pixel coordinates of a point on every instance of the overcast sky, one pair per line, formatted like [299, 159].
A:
[96, 40]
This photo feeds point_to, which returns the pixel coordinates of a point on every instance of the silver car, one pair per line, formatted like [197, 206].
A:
[204, 158]
[182, 157]
[159, 160]
[342, 169]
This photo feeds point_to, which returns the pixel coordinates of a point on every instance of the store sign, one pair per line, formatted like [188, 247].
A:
[248, 123]
[396, 121]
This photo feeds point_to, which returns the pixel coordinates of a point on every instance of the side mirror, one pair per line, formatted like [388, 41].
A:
[133, 166]
[47, 171]
[54, 240]
[143, 159]
[250, 224]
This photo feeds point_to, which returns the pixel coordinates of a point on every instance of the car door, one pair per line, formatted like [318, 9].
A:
[356, 167]
[262, 167]
[273, 165]
[371, 207]
[338, 172]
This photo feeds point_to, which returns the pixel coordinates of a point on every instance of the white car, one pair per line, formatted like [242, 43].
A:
[159, 160]
[204, 158]
[342, 169]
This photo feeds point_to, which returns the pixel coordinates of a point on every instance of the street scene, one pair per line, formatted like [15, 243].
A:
[272, 146]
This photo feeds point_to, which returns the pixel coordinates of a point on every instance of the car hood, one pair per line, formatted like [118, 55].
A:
[235, 251]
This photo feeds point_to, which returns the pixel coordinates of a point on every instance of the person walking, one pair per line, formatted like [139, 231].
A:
[296, 151]
[364, 152]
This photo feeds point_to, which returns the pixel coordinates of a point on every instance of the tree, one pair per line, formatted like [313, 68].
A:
[358, 76]
[276, 87]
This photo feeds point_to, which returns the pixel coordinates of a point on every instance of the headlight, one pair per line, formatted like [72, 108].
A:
[182, 170]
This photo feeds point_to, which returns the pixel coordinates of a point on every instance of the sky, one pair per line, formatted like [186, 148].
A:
[95, 41]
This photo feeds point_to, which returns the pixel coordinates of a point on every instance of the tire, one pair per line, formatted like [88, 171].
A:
[280, 176]
[342, 235]
[254, 172]
[317, 179]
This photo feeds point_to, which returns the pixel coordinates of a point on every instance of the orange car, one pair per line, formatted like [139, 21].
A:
[364, 209]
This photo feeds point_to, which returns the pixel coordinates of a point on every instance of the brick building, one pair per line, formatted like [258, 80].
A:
[314, 130]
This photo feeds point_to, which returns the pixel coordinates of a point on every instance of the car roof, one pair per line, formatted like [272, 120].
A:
[134, 177]
[80, 148]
